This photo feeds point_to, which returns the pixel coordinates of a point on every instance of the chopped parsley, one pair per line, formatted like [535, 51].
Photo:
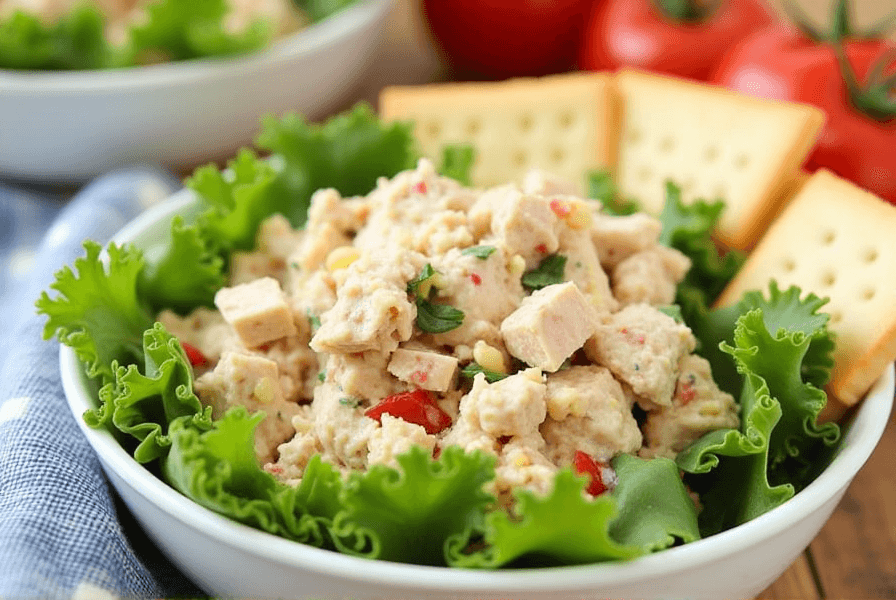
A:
[548, 272]
[472, 369]
[350, 401]
[431, 317]
[480, 252]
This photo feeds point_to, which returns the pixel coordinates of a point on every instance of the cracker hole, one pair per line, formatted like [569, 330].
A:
[644, 173]
[868, 294]
[526, 122]
[688, 184]
[634, 136]
[667, 144]
[711, 154]
[836, 316]
[720, 191]
[788, 264]
[828, 278]
[870, 255]
[741, 161]
[566, 120]
[557, 155]
[828, 237]
[434, 129]
[519, 158]
[473, 126]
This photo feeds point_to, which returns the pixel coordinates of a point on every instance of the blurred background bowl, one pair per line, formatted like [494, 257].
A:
[232, 560]
[71, 126]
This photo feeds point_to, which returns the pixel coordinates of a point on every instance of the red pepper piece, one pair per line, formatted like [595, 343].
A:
[194, 355]
[585, 465]
[418, 407]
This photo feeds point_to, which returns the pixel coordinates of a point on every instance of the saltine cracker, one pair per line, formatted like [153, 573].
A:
[563, 124]
[836, 240]
[713, 143]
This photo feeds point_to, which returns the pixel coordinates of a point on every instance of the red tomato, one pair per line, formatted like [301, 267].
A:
[784, 63]
[584, 464]
[638, 33]
[496, 39]
[194, 355]
[418, 407]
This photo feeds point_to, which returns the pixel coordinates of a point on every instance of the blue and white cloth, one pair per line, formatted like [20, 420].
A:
[63, 531]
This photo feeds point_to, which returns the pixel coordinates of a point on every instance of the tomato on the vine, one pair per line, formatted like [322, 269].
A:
[686, 38]
[857, 91]
[496, 39]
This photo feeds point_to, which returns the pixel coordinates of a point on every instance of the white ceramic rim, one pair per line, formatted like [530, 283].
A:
[873, 415]
[307, 41]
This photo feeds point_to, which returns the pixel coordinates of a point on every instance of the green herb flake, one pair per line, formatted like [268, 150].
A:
[425, 273]
[437, 318]
[314, 320]
[474, 368]
[321, 377]
[548, 272]
[480, 252]
[350, 401]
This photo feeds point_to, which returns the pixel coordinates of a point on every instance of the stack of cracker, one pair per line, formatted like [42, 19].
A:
[832, 238]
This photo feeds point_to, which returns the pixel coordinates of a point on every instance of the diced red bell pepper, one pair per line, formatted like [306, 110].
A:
[194, 355]
[418, 407]
[585, 465]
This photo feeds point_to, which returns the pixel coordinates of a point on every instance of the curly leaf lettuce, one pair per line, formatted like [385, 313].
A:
[649, 510]
[654, 508]
[142, 405]
[349, 152]
[410, 514]
[98, 312]
[216, 467]
[756, 468]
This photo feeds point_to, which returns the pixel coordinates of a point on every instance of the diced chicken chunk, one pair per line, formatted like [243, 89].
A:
[584, 269]
[642, 347]
[203, 328]
[650, 276]
[525, 224]
[537, 181]
[588, 411]
[253, 382]
[549, 326]
[394, 437]
[521, 464]
[698, 407]
[512, 406]
[424, 369]
[362, 375]
[617, 238]
[257, 311]
[372, 310]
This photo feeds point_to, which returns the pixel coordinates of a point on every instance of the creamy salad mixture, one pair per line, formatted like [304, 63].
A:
[518, 320]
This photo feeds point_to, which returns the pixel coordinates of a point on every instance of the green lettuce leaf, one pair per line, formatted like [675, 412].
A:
[178, 30]
[318, 10]
[688, 229]
[349, 153]
[187, 275]
[97, 311]
[772, 455]
[457, 161]
[601, 187]
[654, 508]
[75, 41]
[216, 467]
[143, 405]
[239, 200]
[412, 514]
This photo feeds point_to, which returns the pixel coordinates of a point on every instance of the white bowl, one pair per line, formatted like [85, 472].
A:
[71, 126]
[232, 560]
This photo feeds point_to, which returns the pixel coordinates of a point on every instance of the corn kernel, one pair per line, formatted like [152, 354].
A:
[489, 358]
[341, 257]
[522, 460]
[517, 265]
[579, 216]
[264, 390]
[710, 410]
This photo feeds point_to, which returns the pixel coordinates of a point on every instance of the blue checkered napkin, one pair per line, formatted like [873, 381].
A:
[63, 533]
